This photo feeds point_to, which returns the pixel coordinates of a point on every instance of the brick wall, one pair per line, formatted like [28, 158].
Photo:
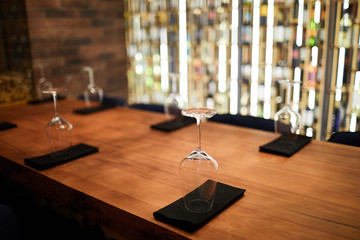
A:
[66, 35]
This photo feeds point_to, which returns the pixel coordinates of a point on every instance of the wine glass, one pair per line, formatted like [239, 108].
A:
[198, 171]
[287, 121]
[43, 83]
[93, 95]
[58, 130]
[174, 103]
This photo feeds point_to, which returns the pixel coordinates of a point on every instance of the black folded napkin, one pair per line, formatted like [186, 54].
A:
[175, 214]
[102, 107]
[284, 147]
[6, 125]
[47, 161]
[173, 124]
[45, 99]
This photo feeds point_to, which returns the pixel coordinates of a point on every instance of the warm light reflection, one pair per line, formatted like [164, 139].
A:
[340, 74]
[234, 95]
[157, 70]
[355, 101]
[297, 74]
[309, 132]
[311, 98]
[183, 88]
[314, 56]
[317, 11]
[255, 59]
[267, 92]
[138, 56]
[353, 119]
[222, 68]
[137, 28]
[164, 62]
[357, 81]
[301, 12]
[296, 97]
[139, 69]
[268, 59]
[296, 89]
[299, 29]
[269, 33]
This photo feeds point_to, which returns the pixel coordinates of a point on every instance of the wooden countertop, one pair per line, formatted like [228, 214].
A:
[314, 194]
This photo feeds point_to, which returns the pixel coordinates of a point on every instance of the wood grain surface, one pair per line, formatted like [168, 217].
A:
[315, 194]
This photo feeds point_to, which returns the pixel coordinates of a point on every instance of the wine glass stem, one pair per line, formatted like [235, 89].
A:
[55, 104]
[91, 78]
[198, 133]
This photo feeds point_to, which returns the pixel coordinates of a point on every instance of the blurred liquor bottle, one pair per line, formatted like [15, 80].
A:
[344, 39]
[313, 31]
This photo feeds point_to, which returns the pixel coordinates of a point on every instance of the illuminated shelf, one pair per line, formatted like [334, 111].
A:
[343, 88]
[231, 62]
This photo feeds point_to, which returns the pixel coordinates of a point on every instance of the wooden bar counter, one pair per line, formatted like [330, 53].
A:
[315, 194]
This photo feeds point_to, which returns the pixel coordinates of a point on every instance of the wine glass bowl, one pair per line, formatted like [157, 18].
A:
[93, 95]
[287, 121]
[198, 171]
[58, 130]
[197, 192]
[174, 103]
[42, 86]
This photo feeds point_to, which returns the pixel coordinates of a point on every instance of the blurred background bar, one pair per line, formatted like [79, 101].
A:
[238, 50]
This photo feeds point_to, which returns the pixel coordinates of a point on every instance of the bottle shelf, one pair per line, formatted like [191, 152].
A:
[210, 47]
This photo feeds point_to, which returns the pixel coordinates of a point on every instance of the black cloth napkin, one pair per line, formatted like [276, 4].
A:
[45, 99]
[282, 145]
[102, 107]
[175, 214]
[48, 160]
[173, 124]
[6, 125]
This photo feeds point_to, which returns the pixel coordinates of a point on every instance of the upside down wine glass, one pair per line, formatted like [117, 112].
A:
[93, 95]
[198, 171]
[173, 104]
[58, 130]
[287, 121]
